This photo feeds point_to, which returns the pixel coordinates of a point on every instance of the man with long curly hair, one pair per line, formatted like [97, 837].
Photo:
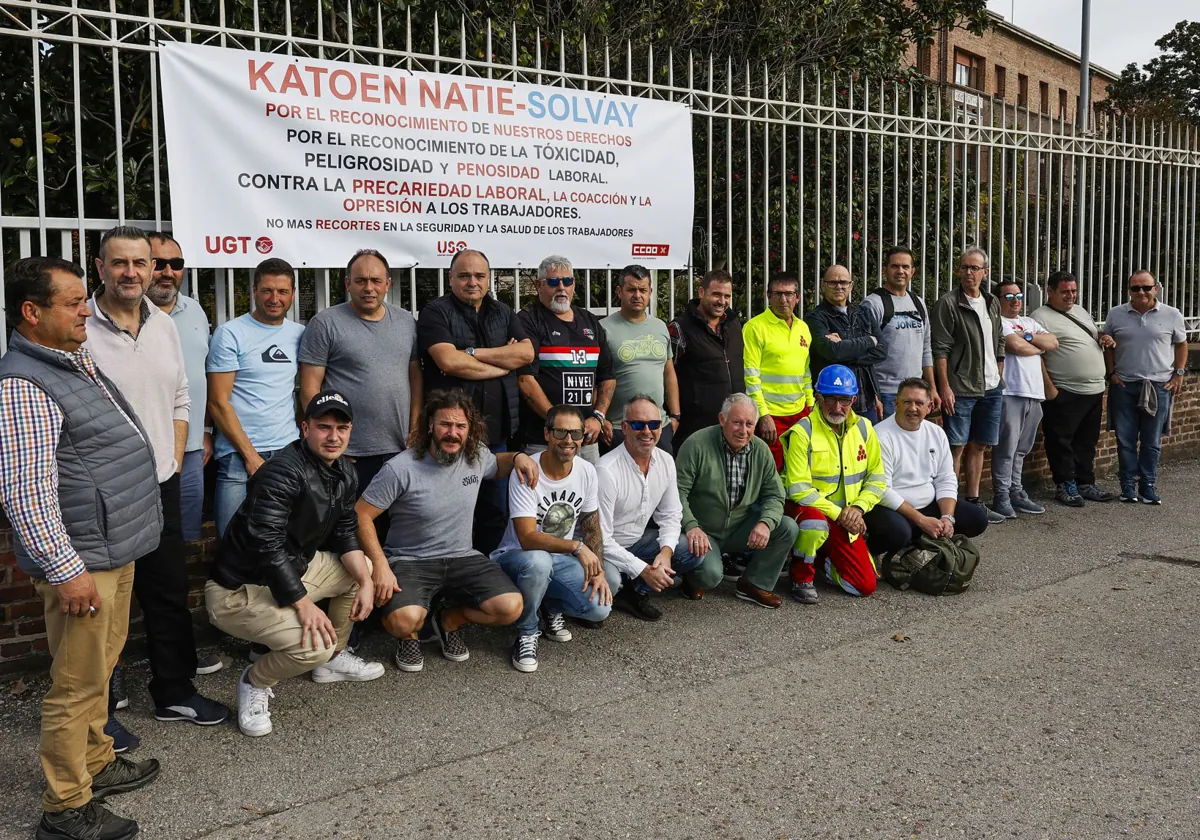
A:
[429, 491]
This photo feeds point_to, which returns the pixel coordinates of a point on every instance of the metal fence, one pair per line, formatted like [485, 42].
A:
[792, 174]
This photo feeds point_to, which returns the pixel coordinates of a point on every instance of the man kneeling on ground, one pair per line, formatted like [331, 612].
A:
[834, 477]
[733, 501]
[552, 549]
[268, 574]
[922, 494]
[429, 491]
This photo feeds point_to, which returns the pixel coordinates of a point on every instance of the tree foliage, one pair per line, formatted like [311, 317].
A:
[1168, 86]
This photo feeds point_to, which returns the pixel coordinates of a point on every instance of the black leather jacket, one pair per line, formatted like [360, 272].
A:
[295, 505]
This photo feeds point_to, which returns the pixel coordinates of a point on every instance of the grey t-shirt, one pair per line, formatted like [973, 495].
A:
[639, 354]
[1078, 363]
[431, 505]
[907, 339]
[368, 362]
[1145, 341]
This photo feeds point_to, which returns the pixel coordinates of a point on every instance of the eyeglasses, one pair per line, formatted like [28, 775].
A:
[555, 282]
[778, 293]
[639, 425]
[838, 400]
[161, 264]
[562, 434]
[1141, 288]
[973, 268]
[838, 283]
[1011, 296]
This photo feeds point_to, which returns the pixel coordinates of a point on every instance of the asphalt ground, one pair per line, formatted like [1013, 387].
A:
[1056, 699]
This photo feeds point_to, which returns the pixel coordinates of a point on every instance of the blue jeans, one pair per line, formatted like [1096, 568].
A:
[231, 487]
[1135, 427]
[647, 548]
[553, 581]
[491, 510]
[191, 494]
[889, 405]
[975, 419]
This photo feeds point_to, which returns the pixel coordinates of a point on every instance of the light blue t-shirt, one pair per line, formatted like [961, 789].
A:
[192, 325]
[265, 361]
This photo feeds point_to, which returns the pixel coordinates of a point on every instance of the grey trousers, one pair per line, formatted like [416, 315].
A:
[1019, 421]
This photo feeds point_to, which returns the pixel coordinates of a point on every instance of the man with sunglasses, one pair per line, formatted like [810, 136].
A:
[968, 363]
[843, 333]
[776, 345]
[553, 549]
[1074, 393]
[194, 331]
[1025, 340]
[637, 482]
[834, 476]
[1146, 368]
[572, 364]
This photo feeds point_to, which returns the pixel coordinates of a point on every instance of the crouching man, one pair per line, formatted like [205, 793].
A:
[733, 501]
[834, 477]
[268, 574]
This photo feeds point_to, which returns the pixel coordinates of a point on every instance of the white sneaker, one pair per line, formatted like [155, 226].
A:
[254, 718]
[347, 667]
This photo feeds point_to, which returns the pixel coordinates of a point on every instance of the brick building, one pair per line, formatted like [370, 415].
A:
[1009, 64]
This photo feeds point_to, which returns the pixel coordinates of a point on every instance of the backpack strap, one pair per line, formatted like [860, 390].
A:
[889, 306]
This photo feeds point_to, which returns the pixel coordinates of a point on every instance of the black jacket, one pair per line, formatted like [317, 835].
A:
[708, 364]
[295, 505]
[855, 350]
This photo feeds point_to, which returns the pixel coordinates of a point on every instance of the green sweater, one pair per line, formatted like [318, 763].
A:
[705, 495]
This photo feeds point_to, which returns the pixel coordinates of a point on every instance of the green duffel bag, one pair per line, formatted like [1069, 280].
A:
[942, 566]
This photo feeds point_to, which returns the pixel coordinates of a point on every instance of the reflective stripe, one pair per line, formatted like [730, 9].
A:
[814, 525]
[828, 479]
[805, 424]
[862, 428]
[751, 371]
[783, 396]
[753, 389]
[854, 478]
[808, 498]
[784, 378]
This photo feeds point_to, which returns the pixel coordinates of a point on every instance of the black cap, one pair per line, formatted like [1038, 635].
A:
[328, 401]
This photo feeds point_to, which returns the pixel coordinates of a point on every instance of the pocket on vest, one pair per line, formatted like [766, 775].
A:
[101, 515]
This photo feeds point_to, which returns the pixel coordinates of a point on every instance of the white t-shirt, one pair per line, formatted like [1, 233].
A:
[1022, 374]
[991, 371]
[557, 506]
[918, 465]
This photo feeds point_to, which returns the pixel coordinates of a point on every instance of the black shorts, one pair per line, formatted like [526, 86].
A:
[473, 579]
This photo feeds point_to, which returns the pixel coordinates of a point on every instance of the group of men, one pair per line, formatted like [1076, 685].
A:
[646, 456]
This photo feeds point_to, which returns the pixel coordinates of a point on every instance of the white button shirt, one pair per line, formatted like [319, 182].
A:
[627, 501]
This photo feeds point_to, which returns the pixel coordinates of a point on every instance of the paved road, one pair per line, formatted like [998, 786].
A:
[1056, 699]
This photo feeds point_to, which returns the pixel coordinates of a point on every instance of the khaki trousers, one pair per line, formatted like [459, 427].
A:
[250, 612]
[85, 649]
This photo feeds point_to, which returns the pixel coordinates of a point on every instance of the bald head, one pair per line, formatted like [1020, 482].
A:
[470, 276]
[835, 285]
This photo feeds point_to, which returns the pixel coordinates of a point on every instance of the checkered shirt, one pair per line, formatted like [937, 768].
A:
[737, 466]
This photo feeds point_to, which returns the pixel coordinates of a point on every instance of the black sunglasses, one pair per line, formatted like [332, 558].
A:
[561, 434]
[1011, 296]
[555, 282]
[176, 263]
[1141, 288]
[638, 425]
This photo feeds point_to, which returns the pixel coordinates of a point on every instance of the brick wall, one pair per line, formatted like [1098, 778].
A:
[23, 631]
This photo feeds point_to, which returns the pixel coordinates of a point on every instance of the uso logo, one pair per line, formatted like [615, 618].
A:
[449, 246]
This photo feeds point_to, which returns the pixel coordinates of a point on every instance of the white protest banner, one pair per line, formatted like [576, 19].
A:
[310, 160]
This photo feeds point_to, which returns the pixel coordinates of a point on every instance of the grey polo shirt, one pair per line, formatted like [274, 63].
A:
[1145, 342]
[192, 324]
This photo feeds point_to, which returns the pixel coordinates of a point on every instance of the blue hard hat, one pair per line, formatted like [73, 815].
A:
[837, 381]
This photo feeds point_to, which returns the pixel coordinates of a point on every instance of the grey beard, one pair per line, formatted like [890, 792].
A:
[560, 307]
[445, 458]
[161, 297]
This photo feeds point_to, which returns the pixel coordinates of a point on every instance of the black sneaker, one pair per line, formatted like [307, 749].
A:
[408, 656]
[209, 664]
[118, 697]
[1068, 494]
[588, 623]
[1129, 494]
[196, 709]
[524, 654]
[1094, 494]
[734, 566]
[453, 647]
[257, 652]
[123, 739]
[637, 604]
[122, 775]
[556, 628]
[90, 822]
[1149, 494]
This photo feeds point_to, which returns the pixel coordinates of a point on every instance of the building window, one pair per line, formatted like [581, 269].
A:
[1001, 73]
[925, 60]
[1022, 90]
[1044, 88]
[1062, 104]
[968, 70]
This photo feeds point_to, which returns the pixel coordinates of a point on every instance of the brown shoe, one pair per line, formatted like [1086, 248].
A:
[691, 592]
[747, 591]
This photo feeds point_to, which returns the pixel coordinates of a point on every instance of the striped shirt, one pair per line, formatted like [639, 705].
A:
[30, 427]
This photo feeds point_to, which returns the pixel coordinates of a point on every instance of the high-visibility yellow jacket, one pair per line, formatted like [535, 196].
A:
[828, 472]
[775, 358]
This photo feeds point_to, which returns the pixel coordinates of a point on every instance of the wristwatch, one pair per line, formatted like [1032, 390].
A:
[950, 516]
[578, 548]
[673, 416]
[1029, 336]
[1180, 371]
[470, 351]
[599, 415]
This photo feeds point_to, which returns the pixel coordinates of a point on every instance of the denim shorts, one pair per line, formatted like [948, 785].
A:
[975, 419]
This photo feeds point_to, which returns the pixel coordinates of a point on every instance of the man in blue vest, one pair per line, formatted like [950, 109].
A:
[78, 484]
